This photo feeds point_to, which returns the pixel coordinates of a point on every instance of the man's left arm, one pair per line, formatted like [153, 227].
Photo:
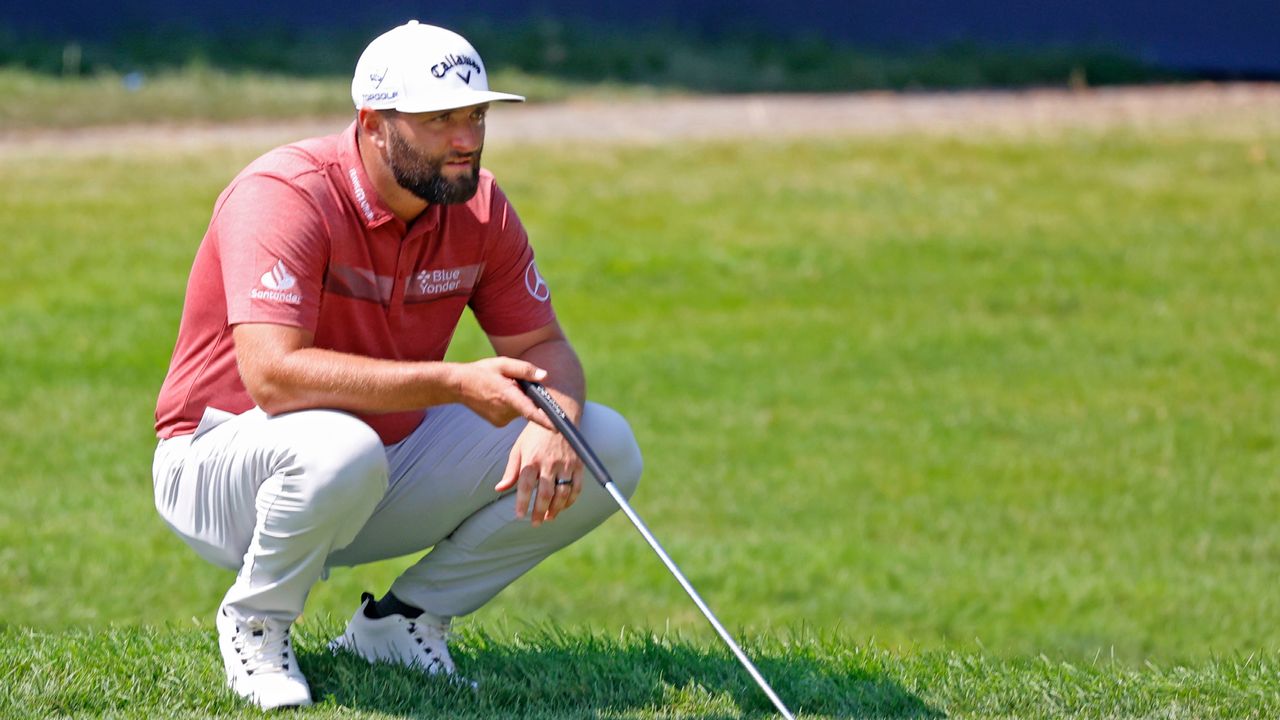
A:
[541, 456]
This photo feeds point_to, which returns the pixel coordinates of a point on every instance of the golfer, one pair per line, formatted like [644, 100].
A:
[308, 419]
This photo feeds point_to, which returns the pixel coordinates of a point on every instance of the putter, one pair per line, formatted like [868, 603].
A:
[540, 397]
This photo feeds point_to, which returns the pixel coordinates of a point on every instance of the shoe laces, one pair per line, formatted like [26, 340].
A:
[263, 646]
[432, 641]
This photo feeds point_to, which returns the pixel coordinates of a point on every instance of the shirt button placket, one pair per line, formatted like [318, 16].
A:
[405, 262]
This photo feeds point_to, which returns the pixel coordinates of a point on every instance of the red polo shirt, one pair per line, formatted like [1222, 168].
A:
[300, 238]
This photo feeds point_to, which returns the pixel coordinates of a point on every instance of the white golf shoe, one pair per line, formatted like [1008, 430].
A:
[397, 639]
[260, 663]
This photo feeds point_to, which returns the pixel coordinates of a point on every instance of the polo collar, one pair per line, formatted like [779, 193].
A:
[368, 203]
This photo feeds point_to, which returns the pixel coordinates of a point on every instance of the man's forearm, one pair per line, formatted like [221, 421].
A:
[315, 377]
[565, 378]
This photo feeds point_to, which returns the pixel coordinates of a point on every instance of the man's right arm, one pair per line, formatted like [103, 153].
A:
[283, 372]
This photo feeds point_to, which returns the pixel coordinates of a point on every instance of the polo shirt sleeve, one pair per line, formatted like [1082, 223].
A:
[274, 248]
[511, 297]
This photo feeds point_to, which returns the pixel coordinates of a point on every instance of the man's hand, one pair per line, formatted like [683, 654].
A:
[541, 456]
[538, 459]
[489, 389]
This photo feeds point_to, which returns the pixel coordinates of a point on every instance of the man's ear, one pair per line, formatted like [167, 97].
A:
[374, 126]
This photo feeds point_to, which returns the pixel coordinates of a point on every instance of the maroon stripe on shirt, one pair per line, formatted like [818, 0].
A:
[358, 283]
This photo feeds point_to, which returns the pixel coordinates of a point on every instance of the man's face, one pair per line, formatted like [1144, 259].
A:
[437, 155]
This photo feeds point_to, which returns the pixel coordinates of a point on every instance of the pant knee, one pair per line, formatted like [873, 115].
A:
[610, 436]
[343, 463]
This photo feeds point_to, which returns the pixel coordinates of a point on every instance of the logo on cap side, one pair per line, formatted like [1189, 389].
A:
[378, 78]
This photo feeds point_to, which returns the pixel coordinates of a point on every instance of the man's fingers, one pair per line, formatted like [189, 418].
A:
[520, 370]
[579, 477]
[546, 493]
[559, 492]
[514, 404]
[500, 400]
[528, 477]
[567, 495]
[560, 500]
[511, 474]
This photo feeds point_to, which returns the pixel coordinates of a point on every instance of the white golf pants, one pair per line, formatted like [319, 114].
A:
[282, 498]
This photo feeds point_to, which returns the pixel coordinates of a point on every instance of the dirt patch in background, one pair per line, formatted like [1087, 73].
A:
[873, 114]
[1227, 109]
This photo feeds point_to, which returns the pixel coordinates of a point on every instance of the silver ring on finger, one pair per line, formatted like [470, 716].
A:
[564, 482]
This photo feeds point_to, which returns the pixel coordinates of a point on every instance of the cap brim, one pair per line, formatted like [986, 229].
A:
[453, 102]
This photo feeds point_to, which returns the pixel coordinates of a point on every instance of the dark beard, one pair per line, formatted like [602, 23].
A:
[421, 175]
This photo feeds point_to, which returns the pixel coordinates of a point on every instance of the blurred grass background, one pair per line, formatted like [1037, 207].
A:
[1011, 393]
[189, 75]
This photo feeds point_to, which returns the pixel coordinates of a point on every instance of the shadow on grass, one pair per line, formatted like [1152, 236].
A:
[555, 674]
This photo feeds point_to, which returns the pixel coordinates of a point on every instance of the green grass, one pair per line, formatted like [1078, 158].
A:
[545, 672]
[980, 399]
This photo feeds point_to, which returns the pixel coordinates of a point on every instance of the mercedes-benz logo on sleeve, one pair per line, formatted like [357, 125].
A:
[534, 283]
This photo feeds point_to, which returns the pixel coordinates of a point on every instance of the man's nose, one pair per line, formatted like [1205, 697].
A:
[468, 137]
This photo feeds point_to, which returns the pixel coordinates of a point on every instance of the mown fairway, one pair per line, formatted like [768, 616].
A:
[950, 404]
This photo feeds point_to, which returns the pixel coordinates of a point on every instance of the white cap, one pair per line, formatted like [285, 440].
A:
[421, 68]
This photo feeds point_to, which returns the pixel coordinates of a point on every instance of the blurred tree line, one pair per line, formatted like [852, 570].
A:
[666, 57]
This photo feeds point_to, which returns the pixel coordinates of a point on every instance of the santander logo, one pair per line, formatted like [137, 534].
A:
[278, 277]
[277, 282]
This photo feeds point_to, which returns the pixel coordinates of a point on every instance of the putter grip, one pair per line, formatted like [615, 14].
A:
[537, 392]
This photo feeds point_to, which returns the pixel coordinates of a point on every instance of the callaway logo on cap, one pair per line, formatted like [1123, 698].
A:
[421, 68]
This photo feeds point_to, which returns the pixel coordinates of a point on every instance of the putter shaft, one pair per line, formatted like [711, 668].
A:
[548, 405]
